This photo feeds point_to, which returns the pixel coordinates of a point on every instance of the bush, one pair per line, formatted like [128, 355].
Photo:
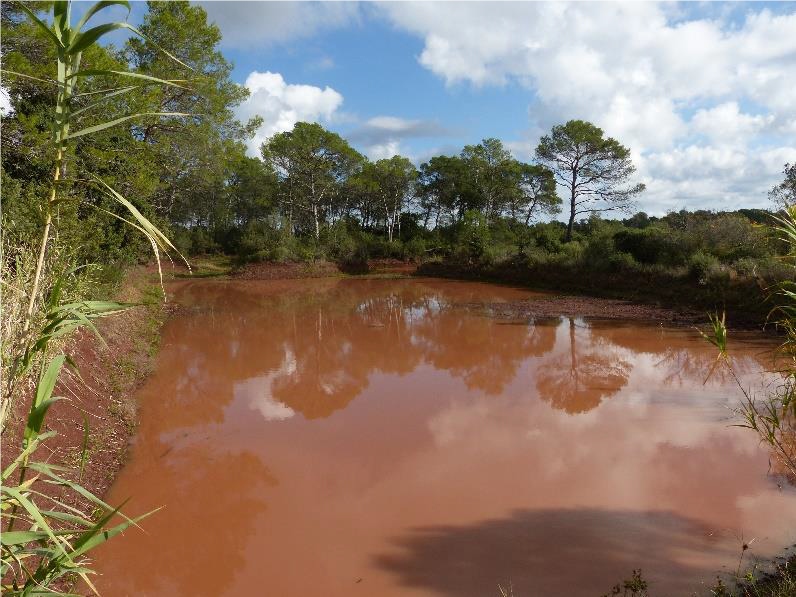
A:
[703, 267]
[415, 249]
[620, 262]
[549, 237]
[646, 246]
[338, 243]
[473, 237]
[599, 249]
[572, 250]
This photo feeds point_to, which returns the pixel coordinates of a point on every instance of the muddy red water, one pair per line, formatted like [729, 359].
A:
[369, 437]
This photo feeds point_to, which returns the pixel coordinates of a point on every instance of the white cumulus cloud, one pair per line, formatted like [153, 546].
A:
[726, 123]
[246, 24]
[382, 135]
[652, 75]
[282, 105]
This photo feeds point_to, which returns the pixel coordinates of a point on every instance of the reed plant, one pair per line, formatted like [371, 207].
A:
[45, 541]
[771, 416]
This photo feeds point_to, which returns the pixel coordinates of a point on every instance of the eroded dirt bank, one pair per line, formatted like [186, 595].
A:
[102, 397]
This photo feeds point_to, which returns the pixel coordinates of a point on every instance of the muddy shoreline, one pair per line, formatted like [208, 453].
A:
[553, 303]
[588, 308]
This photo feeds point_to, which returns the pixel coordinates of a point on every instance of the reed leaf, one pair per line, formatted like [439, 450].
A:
[98, 7]
[41, 25]
[105, 125]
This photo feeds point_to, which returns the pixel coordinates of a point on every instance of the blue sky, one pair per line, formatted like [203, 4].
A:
[702, 93]
[374, 66]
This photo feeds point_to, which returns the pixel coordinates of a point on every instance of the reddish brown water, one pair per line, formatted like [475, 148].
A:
[367, 437]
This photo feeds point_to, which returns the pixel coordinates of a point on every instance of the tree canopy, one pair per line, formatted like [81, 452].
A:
[593, 169]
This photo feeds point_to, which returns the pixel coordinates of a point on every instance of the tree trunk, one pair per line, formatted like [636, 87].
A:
[573, 195]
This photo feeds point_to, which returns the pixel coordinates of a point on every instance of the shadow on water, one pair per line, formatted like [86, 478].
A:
[553, 552]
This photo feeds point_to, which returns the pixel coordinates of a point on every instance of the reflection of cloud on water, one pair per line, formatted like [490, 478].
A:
[273, 410]
[257, 391]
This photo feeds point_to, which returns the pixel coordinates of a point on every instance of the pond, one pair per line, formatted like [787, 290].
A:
[338, 437]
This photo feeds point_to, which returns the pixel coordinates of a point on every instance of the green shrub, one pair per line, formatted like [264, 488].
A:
[703, 267]
[472, 238]
[620, 262]
[646, 246]
[572, 250]
[415, 249]
[599, 249]
[549, 237]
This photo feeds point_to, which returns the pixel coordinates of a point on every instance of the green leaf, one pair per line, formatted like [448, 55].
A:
[98, 7]
[16, 74]
[61, 20]
[93, 72]
[88, 38]
[55, 479]
[169, 54]
[31, 509]
[36, 417]
[41, 25]
[9, 538]
[46, 384]
[99, 127]
[64, 517]
[111, 94]
[84, 447]
[96, 536]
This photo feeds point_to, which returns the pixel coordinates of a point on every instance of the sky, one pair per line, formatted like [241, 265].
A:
[703, 93]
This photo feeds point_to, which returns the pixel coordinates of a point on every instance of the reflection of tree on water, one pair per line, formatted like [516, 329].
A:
[484, 354]
[312, 351]
[311, 347]
[579, 379]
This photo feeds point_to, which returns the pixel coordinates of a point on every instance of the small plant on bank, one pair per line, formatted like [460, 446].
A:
[45, 540]
[635, 586]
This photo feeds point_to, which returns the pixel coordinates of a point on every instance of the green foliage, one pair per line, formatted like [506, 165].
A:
[312, 164]
[702, 266]
[592, 168]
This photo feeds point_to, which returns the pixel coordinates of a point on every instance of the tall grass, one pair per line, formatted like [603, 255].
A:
[45, 540]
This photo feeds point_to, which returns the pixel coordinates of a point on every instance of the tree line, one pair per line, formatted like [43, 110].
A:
[192, 174]
[308, 194]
